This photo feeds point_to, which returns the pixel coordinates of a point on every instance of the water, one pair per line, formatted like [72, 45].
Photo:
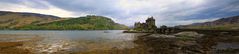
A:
[72, 41]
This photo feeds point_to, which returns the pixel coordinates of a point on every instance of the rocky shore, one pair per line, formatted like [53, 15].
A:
[190, 43]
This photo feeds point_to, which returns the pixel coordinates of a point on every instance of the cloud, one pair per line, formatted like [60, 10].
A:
[166, 12]
[28, 6]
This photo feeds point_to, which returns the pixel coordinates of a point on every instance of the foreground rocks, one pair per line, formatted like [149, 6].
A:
[188, 34]
[185, 43]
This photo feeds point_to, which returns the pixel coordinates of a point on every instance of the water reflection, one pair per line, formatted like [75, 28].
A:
[76, 41]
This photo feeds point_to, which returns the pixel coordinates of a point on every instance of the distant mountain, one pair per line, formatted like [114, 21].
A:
[80, 23]
[223, 23]
[25, 14]
[9, 20]
[34, 21]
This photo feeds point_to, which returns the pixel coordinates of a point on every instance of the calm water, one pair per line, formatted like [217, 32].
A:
[70, 41]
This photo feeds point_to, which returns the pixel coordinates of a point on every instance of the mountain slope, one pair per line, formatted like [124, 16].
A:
[223, 23]
[10, 20]
[34, 21]
[80, 23]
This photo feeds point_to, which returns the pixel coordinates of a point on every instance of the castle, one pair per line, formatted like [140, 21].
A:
[148, 26]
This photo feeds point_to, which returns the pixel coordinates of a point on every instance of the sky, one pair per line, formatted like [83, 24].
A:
[127, 12]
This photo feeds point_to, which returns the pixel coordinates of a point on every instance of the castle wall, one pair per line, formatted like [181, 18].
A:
[149, 26]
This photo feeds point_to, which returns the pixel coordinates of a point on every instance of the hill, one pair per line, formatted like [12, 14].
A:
[35, 21]
[10, 20]
[80, 23]
[223, 23]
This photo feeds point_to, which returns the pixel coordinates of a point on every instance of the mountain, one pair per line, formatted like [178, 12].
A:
[223, 23]
[80, 23]
[9, 20]
[35, 21]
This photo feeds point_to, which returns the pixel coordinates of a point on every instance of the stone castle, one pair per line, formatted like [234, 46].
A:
[148, 26]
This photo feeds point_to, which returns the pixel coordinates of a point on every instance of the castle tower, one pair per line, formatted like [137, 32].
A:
[150, 21]
[137, 25]
[148, 26]
[151, 24]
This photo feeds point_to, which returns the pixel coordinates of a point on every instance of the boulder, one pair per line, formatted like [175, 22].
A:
[188, 34]
[162, 36]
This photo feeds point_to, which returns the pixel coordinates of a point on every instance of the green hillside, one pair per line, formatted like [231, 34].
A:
[80, 23]
[35, 21]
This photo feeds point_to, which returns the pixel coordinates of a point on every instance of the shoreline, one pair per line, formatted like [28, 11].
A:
[207, 44]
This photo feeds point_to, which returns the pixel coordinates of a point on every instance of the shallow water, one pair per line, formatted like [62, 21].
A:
[75, 41]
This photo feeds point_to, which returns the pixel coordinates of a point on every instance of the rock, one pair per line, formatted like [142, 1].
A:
[162, 36]
[188, 34]
[184, 43]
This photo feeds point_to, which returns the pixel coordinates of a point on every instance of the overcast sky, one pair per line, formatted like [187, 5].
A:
[166, 12]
